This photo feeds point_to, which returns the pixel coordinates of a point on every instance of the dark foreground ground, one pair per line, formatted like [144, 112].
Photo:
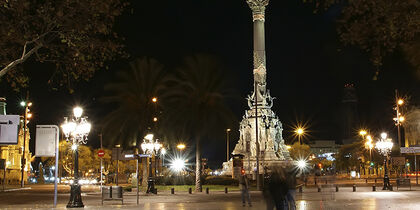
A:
[41, 197]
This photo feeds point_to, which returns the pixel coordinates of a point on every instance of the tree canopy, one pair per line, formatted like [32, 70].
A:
[75, 36]
[378, 27]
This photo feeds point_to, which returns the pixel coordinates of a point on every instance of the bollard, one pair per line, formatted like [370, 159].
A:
[226, 190]
[336, 188]
[354, 187]
[366, 181]
[189, 190]
[172, 190]
[319, 189]
[300, 189]
[391, 188]
[373, 188]
[207, 190]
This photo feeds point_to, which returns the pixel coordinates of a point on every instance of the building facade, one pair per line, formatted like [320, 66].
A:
[13, 154]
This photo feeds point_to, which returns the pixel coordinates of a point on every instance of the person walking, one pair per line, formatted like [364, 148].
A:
[244, 186]
[291, 192]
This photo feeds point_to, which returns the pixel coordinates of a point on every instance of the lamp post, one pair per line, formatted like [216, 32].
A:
[384, 146]
[227, 144]
[399, 118]
[76, 129]
[27, 115]
[369, 145]
[151, 148]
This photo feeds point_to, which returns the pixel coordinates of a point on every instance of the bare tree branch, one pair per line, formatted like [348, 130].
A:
[22, 59]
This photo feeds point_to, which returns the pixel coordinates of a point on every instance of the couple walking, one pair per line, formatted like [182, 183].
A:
[280, 189]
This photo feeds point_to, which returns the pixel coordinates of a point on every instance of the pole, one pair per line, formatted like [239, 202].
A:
[415, 166]
[227, 145]
[256, 138]
[100, 139]
[23, 162]
[116, 178]
[4, 176]
[137, 175]
[57, 142]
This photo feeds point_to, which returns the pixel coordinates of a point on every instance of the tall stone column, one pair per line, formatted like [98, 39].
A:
[258, 17]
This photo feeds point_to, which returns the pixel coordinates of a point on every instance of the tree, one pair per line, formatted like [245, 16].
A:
[75, 36]
[196, 106]
[298, 151]
[379, 27]
[131, 94]
[349, 156]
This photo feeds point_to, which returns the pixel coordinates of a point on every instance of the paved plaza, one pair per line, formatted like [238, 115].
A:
[42, 198]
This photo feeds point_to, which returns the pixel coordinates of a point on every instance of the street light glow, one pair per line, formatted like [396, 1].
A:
[74, 147]
[362, 132]
[400, 102]
[154, 99]
[301, 164]
[77, 111]
[178, 165]
[300, 131]
[180, 146]
[22, 103]
[384, 135]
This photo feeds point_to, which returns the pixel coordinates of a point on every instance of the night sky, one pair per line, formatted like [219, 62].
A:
[307, 66]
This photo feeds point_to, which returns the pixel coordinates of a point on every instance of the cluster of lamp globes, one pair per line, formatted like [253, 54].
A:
[383, 145]
[76, 127]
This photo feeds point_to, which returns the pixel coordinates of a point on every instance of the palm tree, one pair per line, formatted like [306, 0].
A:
[196, 105]
[131, 95]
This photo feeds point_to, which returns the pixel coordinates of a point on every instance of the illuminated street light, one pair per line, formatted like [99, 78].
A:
[151, 148]
[362, 133]
[177, 165]
[76, 129]
[384, 135]
[181, 146]
[400, 102]
[154, 99]
[300, 131]
[26, 115]
[384, 146]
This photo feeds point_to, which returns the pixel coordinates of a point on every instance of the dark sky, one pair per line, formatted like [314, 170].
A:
[307, 66]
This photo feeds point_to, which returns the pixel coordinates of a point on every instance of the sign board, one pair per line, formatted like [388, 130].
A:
[398, 161]
[410, 149]
[9, 128]
[116, 153]
[45, 140]
[101, 153]
[144, 155]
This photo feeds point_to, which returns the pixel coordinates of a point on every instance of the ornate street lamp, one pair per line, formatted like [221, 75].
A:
[151, 148]
[384, 147]
[76, 129]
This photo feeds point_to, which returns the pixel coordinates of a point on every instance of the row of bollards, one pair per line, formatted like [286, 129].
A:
[190, 190]
[353, 187]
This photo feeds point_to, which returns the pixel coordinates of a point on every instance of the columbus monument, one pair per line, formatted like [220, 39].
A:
[259, 118]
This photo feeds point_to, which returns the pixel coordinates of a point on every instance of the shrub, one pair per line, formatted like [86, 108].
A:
[220, 180]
